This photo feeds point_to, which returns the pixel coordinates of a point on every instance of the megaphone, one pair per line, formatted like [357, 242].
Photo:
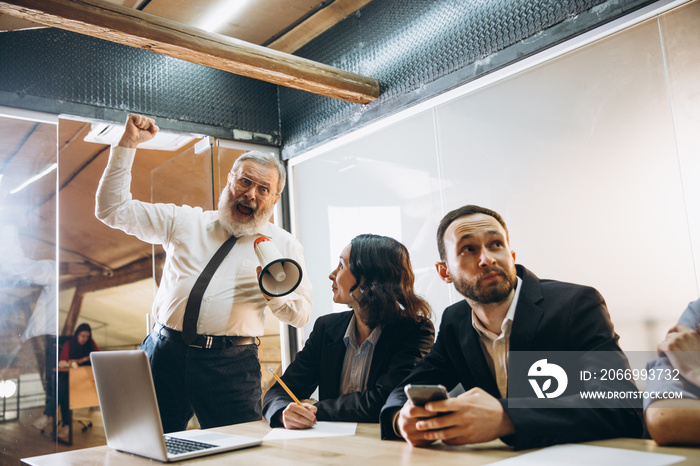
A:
[280, 275]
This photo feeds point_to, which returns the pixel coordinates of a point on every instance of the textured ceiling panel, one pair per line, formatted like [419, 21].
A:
[70, 68]
[408, 44]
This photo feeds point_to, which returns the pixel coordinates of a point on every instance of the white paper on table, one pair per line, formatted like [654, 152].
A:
[585, 455]
[321, 429]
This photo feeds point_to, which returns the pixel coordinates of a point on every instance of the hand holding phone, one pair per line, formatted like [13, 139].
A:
[422, 394]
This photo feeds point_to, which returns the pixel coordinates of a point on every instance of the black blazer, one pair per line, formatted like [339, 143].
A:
[320, 363]
[550, 316]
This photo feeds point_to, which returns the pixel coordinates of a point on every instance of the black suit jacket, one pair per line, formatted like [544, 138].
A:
[550, 316]
[320, 363]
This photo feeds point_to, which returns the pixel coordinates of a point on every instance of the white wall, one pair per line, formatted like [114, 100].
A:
[593, 159]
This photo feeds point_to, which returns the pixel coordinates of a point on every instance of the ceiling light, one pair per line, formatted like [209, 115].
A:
[109, 133]
[221, 14]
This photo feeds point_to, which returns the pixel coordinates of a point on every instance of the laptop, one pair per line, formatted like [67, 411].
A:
[131, 417]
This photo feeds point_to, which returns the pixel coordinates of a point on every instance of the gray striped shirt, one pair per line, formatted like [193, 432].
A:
[358, 359]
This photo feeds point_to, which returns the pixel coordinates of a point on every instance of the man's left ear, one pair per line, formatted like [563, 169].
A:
[277, 198]
[513, 254]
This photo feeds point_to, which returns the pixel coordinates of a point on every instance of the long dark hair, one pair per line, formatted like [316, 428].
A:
[76, 351]
[384, 288]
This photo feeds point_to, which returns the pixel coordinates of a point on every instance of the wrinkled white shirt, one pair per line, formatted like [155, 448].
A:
[232, 303]
[496, 347]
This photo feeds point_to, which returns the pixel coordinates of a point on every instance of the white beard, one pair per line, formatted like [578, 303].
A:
[235, 226]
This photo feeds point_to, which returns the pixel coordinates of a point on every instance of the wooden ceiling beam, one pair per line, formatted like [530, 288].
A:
[137, 270]
[115, 23]
[82, 269]
[317, 24]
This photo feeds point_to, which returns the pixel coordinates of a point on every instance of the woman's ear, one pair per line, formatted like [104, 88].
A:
[360, 293]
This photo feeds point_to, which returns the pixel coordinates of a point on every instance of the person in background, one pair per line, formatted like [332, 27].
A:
[357, 357]
[74, 352]
[676, 421]
[204, 351]
[506, 308]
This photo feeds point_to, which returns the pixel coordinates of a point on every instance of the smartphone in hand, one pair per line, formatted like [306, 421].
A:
[422, 394]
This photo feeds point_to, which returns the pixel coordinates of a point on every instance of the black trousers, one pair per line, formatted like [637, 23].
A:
[221, 386]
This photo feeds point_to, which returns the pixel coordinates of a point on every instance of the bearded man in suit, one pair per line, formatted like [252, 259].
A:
[506, 308]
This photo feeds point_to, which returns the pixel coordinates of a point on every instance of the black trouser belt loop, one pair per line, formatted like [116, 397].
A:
[210, 341]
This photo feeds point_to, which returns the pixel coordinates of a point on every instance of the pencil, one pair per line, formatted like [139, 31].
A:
[286, 388]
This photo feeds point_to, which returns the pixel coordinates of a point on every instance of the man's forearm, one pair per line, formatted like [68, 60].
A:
[674, 422]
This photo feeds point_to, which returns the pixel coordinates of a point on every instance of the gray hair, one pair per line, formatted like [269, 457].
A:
[266, 159]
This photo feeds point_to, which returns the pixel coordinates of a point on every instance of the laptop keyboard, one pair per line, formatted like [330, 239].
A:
[176, 446]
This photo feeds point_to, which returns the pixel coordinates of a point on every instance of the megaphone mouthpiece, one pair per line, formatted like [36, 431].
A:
[277, 271]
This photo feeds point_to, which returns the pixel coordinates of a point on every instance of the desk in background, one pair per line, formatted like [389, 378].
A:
[82, 392]
[363, 448]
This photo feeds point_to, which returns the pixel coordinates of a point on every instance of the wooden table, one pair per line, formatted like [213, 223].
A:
[364, 448]
[82, 392]
[81, 388]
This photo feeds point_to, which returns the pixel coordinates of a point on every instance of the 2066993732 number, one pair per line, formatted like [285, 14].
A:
[639, 374]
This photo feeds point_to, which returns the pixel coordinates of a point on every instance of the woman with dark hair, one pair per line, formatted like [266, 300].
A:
[356, 358]
[74, 352]
[77, 350]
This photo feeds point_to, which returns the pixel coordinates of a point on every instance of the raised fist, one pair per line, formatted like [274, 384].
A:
[138, 129]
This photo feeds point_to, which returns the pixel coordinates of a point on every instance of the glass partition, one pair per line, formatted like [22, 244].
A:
[28, 279]
[387, 183]
[590, 156]
[97, 276]
[580, 156]
[196, 179]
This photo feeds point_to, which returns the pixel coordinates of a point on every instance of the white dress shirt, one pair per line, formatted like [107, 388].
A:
[232, 303]
[496, 347]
